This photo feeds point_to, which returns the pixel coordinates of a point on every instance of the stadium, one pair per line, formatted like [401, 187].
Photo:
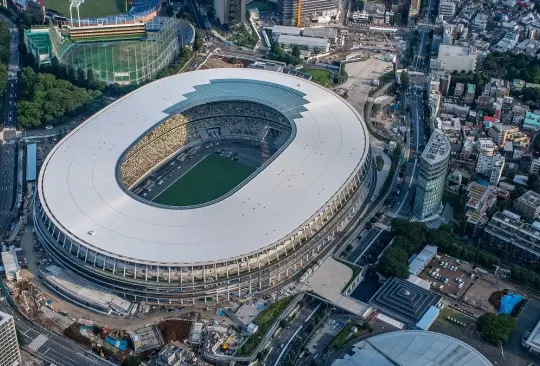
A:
[123, 48]
[206, 186]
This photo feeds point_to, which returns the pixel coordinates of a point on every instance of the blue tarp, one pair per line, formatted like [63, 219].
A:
[509, 302]
[121, 344]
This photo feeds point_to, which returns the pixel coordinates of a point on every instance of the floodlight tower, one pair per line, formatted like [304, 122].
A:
[75, 4]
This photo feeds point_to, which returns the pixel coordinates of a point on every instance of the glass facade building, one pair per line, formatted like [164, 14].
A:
[432, 174]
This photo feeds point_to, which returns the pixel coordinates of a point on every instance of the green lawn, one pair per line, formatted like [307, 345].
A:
[321, 77]
[90, 8]
[210, 179]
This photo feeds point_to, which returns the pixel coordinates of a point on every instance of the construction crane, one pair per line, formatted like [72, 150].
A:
[226, 343]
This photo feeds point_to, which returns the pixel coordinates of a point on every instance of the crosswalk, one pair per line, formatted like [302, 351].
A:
[38, 342]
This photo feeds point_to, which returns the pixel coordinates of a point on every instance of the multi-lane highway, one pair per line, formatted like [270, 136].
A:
[8, 159]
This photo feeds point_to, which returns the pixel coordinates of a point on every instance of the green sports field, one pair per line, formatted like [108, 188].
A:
[211, 178]
[90, 8]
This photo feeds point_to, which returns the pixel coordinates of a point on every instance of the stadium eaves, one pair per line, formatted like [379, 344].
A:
[263, 233]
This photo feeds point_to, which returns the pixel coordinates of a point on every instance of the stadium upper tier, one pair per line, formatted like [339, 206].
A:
[212, 120]
[91, 223]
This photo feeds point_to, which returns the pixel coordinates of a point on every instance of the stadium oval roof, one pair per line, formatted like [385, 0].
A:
[79, 192]
[412, 347]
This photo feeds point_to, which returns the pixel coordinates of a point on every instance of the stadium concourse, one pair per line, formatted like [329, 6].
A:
[315, 161]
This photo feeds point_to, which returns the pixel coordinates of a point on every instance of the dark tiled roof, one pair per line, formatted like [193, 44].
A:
[403, 300]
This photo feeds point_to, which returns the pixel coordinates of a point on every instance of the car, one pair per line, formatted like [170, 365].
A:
[48, 127]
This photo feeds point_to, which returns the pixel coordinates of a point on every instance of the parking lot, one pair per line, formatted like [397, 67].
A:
[448, 276]
[471, 294]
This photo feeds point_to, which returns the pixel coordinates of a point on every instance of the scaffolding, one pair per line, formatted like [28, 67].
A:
[123, 61]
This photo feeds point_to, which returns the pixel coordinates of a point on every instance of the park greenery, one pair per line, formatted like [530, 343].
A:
[513, 66]
[411, 237]
[319, 76]
[526, 277]
[264, 320]
[132, 361]
[495, 328]
[278, 54]
[43, 99]
[244, 37]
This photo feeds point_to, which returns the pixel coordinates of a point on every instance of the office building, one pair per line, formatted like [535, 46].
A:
[512, 239]
[457, 57]
[528, 205]
[432, 175]
[305, 12]
[10, 354]
[230, 12]
[497, 169]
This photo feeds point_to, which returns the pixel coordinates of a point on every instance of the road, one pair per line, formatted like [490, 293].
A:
[8, 159]
[50, 347]
[280, 344]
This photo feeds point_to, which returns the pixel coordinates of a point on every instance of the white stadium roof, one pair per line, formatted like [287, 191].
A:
[414, 348]
[79, 191]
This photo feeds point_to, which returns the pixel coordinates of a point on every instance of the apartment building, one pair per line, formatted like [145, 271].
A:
[528, 205]
[501, 133]
[479, 200]
[512, 239]
[497, 169]
[10, 354]
[485, 149]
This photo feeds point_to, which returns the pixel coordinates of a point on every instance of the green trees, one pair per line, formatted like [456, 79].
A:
[44, 98]
[394, 263]
[495, 328]
[526, 277]
[278, 54]
[411, 237]
[132, 361]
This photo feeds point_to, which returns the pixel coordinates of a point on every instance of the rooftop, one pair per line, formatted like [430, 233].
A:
[412, 347]
[438, 147]
[308, 41]
[320, 32]
[453, 51]
[282, 29]
[530, 198]
[10, 262]
[330, 145]
[403, 300]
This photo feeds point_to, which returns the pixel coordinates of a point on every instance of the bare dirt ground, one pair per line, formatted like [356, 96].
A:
[175, 330]
[219, 63]
[361, 74]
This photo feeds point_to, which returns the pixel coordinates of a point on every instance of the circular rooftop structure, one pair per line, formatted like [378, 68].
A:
[412, 347]
[88, 219]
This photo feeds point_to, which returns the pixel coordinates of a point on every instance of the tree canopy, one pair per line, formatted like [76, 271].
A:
[44, 98]
[131, 361]
[495, 328]
[411, 237]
